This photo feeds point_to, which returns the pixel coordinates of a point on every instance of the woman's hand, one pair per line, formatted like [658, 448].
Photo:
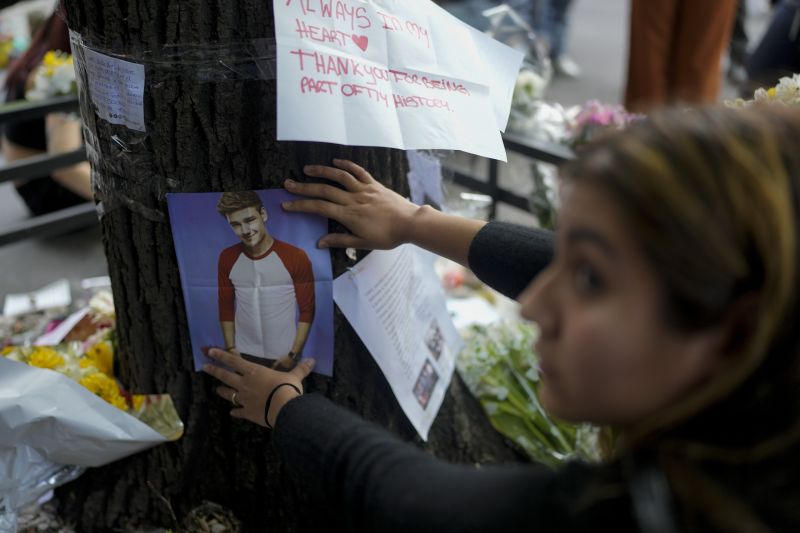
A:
[378, 218]
[250, 384]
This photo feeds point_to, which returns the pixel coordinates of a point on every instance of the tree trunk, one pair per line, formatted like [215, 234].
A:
[211, 126]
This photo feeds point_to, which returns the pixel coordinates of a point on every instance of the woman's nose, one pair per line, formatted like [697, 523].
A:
[537, 303]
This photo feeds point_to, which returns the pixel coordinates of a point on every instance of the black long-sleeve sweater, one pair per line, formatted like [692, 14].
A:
[380, 484]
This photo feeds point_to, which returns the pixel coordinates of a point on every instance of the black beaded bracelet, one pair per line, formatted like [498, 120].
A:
[269, 400]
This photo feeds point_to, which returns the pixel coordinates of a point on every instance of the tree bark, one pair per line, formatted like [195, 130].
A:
[210, 132]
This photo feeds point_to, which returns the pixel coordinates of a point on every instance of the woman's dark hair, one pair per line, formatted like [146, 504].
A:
[52, 35]
[712, 197]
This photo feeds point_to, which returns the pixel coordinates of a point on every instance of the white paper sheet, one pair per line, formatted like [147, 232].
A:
[394, 301]
[116, 88]
[397, 73]
[425, 178]
[56, 294]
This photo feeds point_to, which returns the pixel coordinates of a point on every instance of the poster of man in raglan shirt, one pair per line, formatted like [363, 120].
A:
[254, 281]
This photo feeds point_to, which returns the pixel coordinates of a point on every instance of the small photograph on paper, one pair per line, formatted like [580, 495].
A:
[426, 382]
[253, 279]
[434, 340]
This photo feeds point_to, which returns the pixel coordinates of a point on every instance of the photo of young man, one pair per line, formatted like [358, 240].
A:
[266, 290]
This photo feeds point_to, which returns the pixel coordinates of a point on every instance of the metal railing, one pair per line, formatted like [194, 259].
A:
[555, 154]
[52, 224]
[58, 222]
[84, 215]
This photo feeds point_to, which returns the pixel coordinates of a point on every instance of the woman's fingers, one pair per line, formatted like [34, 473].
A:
[343, 240]
[334, 174]
[317, 190]
[356, 170]
[226, 393]
[228, 378]
[232, 360]
[322, 208]
[303, 369]
[238, 413]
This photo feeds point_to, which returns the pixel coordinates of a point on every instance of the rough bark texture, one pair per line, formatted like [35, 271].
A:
[210, 132]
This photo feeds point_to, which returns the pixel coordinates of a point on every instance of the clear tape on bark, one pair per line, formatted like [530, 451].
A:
[108, 201]
[124, 94]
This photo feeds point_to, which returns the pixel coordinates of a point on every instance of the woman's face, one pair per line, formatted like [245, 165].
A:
[607, 354]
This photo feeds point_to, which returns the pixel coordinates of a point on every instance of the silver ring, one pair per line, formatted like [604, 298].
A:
[233, 399]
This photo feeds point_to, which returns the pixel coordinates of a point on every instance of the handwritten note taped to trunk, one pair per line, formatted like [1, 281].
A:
[116, 88]
[396, 73]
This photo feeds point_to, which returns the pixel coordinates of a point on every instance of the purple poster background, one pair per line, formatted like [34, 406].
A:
[200, 234]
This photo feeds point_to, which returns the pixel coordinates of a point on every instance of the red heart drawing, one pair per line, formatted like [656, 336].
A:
[362, 41]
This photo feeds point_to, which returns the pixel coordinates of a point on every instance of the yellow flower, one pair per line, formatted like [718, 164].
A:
[105, 387]
[101, 355]
[118, 401]
[98, 383]
[53, 60]
[45, 357]
[772, 92]
[138, 401]
[49, 58]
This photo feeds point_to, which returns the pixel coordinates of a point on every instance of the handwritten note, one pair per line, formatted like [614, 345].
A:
[397, 73]
[116, 88]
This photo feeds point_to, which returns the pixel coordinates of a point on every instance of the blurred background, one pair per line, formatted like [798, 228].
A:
[591, 66]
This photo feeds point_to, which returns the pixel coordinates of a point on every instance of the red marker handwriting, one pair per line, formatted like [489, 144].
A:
[329, 65]
[341, 10]
[393, 23]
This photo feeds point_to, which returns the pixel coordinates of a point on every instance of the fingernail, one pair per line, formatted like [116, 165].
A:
[309, 168]
[311, 362]
[322, 244]
[286, 205]
[289, 183]
[206, 368]
[337, 161]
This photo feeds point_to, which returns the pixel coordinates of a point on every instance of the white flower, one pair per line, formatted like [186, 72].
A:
[63, 78]
[54, 77]
[41, 88]
[529, 88]
[102, 306]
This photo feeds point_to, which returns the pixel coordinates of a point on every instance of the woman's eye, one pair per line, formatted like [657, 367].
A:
[587, 280]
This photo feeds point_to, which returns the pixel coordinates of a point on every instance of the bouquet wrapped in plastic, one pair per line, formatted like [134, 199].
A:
[61, 411]
[501, 370]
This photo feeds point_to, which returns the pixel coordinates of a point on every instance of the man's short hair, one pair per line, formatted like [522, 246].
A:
[231, 202]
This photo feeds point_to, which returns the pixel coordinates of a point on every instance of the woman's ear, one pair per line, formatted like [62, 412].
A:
[738, 324]
[703, 353]
[710, 350]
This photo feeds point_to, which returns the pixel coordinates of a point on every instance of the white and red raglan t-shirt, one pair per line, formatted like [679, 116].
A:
[261, 296]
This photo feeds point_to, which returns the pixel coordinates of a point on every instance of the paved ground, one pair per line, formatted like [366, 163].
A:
[598, 42]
